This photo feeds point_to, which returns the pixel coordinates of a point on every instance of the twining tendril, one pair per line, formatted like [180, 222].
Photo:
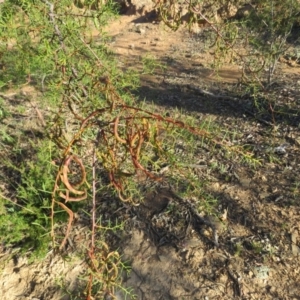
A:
[71, 188]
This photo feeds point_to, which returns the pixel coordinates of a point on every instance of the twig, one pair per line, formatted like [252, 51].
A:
[39, 114]
[56, 28]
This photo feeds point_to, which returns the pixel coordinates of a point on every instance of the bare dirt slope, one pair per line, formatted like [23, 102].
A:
[257, 252]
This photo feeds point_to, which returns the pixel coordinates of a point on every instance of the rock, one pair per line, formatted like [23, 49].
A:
[227, 11]
[140, 30]
[244, 11]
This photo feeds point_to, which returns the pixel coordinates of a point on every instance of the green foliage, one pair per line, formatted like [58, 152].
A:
[29, 50]
[61, 50]
[150, 64]
[13, 226]
[266, 29]
[3, 110]
[26, 222]
[37, 178]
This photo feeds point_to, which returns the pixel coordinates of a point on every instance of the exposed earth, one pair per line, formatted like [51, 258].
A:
[250, 247]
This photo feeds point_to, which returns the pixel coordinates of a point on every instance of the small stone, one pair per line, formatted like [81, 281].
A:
[140, 30]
